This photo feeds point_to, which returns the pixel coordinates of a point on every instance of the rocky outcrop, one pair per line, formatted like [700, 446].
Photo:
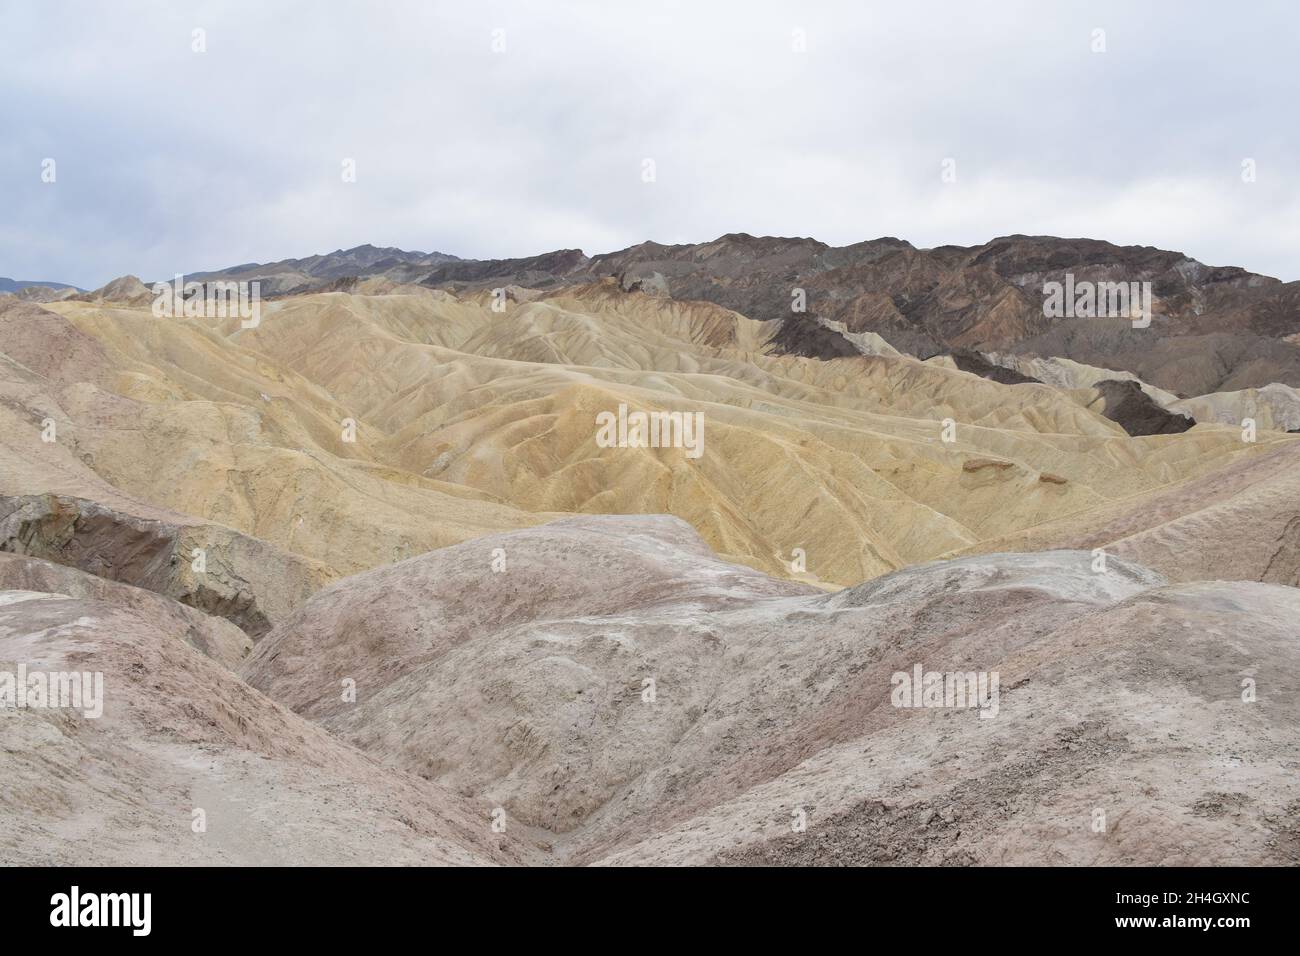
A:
[652, 284]
[1124, 403]
[811, 340]
[214, 569]
[124, 290]
[213, 636]
[975, 363]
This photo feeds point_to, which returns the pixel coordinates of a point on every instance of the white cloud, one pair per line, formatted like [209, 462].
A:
[171, 160]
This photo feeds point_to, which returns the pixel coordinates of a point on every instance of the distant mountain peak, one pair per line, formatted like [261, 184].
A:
[15, 285]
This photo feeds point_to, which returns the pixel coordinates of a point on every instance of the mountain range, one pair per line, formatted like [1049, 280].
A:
[1214, 328]
[16, 285]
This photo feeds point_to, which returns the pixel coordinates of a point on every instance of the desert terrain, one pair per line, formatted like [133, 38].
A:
[366, 584]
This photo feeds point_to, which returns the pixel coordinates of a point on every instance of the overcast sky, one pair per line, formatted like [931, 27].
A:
[171, 160]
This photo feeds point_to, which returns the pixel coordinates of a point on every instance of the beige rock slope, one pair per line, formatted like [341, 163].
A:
[212, 431]
[470, 421]
[627, 697]
[1275, 407]
[1066, 374]
[1240, 523]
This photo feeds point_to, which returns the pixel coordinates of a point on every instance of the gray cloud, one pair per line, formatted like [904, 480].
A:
[170, 160]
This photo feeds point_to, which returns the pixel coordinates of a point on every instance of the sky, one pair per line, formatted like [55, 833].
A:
[489, 129]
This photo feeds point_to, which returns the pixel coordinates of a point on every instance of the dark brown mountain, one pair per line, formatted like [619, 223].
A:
[975, 363]
[1136, 412]
[541, 271]
[315, 272]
